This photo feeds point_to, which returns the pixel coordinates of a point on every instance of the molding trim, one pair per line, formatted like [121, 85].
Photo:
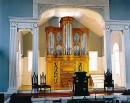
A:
[23, 20]
[74, 2]
[117, 25]
[23, 23]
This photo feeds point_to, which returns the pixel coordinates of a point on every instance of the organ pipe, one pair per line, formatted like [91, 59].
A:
[68, 41]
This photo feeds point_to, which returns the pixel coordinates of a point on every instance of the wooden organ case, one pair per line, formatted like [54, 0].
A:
[67, 52]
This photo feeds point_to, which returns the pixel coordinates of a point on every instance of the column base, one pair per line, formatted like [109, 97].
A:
[11, 90]
[127, 87]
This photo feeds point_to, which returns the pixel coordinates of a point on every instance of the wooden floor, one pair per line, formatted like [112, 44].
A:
[68, 94]
[65, 92]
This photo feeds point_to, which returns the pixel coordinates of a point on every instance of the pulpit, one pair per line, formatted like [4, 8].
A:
[80, 84]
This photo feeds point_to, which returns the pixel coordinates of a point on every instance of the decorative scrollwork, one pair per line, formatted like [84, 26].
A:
[107, 27]
[13, 24]
[126, 27]
[43, 7]
[55, 73]
[35, 25]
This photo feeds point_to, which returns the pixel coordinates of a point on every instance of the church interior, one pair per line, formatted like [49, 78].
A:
[65, 51]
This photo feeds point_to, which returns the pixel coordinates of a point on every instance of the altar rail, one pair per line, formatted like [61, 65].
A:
[79, 99]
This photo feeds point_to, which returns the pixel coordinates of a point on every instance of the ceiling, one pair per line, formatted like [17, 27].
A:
[87, 17]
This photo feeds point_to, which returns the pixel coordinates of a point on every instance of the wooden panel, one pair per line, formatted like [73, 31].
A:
[66, 78]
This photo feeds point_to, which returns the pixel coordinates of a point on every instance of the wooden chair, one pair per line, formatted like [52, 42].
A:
[43, 82]
[108, 82]
[35, 85]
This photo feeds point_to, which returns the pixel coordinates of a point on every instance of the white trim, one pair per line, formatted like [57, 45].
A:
[23, 19]
[74, 2]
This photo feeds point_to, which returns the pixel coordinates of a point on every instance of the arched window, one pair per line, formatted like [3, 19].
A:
[116, 60]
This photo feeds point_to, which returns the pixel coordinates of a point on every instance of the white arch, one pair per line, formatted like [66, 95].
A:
[89, 18]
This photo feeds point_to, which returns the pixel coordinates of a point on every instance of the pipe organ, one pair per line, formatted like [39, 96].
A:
[67, 52]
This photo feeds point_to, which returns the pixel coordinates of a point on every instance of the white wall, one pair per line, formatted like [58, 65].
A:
[100, 67]
[26, 77]
[26, 74]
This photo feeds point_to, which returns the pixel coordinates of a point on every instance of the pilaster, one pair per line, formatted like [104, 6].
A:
[12, 58]
[107, 49]
[126, 43]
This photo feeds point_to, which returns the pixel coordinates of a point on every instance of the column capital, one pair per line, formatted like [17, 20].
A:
[126, 27]
[13, 24]
[35, 25]
[107, 26]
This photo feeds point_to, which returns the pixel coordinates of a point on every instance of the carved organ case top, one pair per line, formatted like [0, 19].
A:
[66, 40]
[67, 49]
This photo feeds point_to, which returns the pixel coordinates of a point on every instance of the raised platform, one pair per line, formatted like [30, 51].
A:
[66, 96]
[27, 89]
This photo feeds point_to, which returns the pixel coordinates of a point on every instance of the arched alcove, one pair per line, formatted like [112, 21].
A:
[85, 17]
[117, 57]
[24, 64]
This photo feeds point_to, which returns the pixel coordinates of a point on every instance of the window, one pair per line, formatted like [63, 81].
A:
[93, 55]
[116, 58]
[29, 60]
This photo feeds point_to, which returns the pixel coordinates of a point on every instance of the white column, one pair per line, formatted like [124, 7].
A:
[12, 58]
[107, 49]
[126, 42]
[35, 49]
